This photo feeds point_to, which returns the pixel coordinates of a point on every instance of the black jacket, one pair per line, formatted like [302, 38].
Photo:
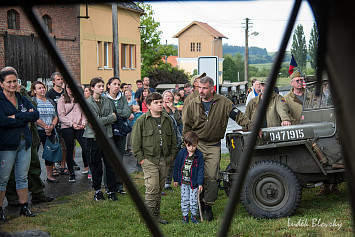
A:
[10, 129]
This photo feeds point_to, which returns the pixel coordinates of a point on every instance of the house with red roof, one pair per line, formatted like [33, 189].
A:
[171, 60]
[195, 40]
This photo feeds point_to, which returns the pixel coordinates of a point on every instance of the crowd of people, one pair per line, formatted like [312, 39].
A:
[39, 115]
[175, 136]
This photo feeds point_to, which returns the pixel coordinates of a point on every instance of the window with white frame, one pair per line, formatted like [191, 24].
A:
[128, 56]
[106, 55]
[133, 56]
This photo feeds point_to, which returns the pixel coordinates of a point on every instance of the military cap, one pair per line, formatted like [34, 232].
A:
[197, 76]
[296, 74]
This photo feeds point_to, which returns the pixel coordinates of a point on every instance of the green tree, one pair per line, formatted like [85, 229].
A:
[299, 47]
[152, 51]
[231, 66]
[313, 45]
[229, 69]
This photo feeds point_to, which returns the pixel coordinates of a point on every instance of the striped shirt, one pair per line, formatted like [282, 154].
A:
[46, 112]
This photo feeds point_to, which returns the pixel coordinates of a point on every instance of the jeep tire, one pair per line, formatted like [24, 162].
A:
[271, 190]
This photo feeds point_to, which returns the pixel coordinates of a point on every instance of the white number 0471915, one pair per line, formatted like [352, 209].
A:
[287, 135]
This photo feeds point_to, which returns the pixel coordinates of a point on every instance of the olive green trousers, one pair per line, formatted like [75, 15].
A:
[154, 177]
[212, 158]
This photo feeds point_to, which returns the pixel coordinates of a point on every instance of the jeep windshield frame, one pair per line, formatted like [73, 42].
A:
[324, 100]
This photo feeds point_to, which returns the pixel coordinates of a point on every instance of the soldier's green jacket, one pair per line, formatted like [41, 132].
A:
[211, 130]
[146, 139]
[190, 97]
[104, 115]
[276, 112]
[295, 105]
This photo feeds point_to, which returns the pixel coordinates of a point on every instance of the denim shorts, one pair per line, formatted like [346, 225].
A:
[19, 160]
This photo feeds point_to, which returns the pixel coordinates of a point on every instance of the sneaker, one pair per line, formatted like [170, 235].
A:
[122, 192]
[89, 177]
[194, 219]
[86, 170]
[112, 196]
[99, 196]
[163, 194]
[185, 219]
[72, 178]
[36, 200]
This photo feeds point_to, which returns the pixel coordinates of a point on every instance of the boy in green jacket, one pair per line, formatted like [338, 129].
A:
[154, 146]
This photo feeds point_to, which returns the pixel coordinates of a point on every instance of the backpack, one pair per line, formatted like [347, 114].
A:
[121, 127]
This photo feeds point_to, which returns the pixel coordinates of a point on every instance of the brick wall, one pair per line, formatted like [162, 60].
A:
[65, 28]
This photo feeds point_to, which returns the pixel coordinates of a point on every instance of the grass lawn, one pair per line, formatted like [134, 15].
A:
[281, 81]
[79, 215]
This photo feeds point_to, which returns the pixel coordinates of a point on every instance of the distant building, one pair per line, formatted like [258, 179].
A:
[85, 41]
[171, 60]
[195, 40]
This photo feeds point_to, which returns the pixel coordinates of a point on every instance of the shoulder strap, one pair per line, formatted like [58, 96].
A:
[70, 109]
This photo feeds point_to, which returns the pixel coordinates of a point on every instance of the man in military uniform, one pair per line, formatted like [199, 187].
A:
[295, 98]
[195, 80]
[207, 115]
[277, 112]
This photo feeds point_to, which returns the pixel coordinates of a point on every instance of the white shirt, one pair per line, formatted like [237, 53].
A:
[250, 96]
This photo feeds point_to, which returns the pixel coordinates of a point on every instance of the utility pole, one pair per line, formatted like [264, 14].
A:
[246, 47]
[166, 56]
[115, 57]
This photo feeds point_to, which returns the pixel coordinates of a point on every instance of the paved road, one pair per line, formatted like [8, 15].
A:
[64, 188]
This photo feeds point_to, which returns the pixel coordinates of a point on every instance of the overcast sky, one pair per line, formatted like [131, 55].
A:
[269, 18]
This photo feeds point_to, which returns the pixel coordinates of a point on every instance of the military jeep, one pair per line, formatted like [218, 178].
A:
[287, 159]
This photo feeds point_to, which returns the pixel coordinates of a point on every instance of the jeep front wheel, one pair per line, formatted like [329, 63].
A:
[271, 190]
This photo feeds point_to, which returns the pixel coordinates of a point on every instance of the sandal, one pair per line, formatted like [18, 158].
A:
[64, 171]
[55, 172]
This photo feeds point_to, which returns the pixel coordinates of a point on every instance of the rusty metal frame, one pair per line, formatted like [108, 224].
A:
[319, 8]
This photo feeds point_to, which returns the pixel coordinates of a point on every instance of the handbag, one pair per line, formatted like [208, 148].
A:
[121, 127]
[52, 151]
